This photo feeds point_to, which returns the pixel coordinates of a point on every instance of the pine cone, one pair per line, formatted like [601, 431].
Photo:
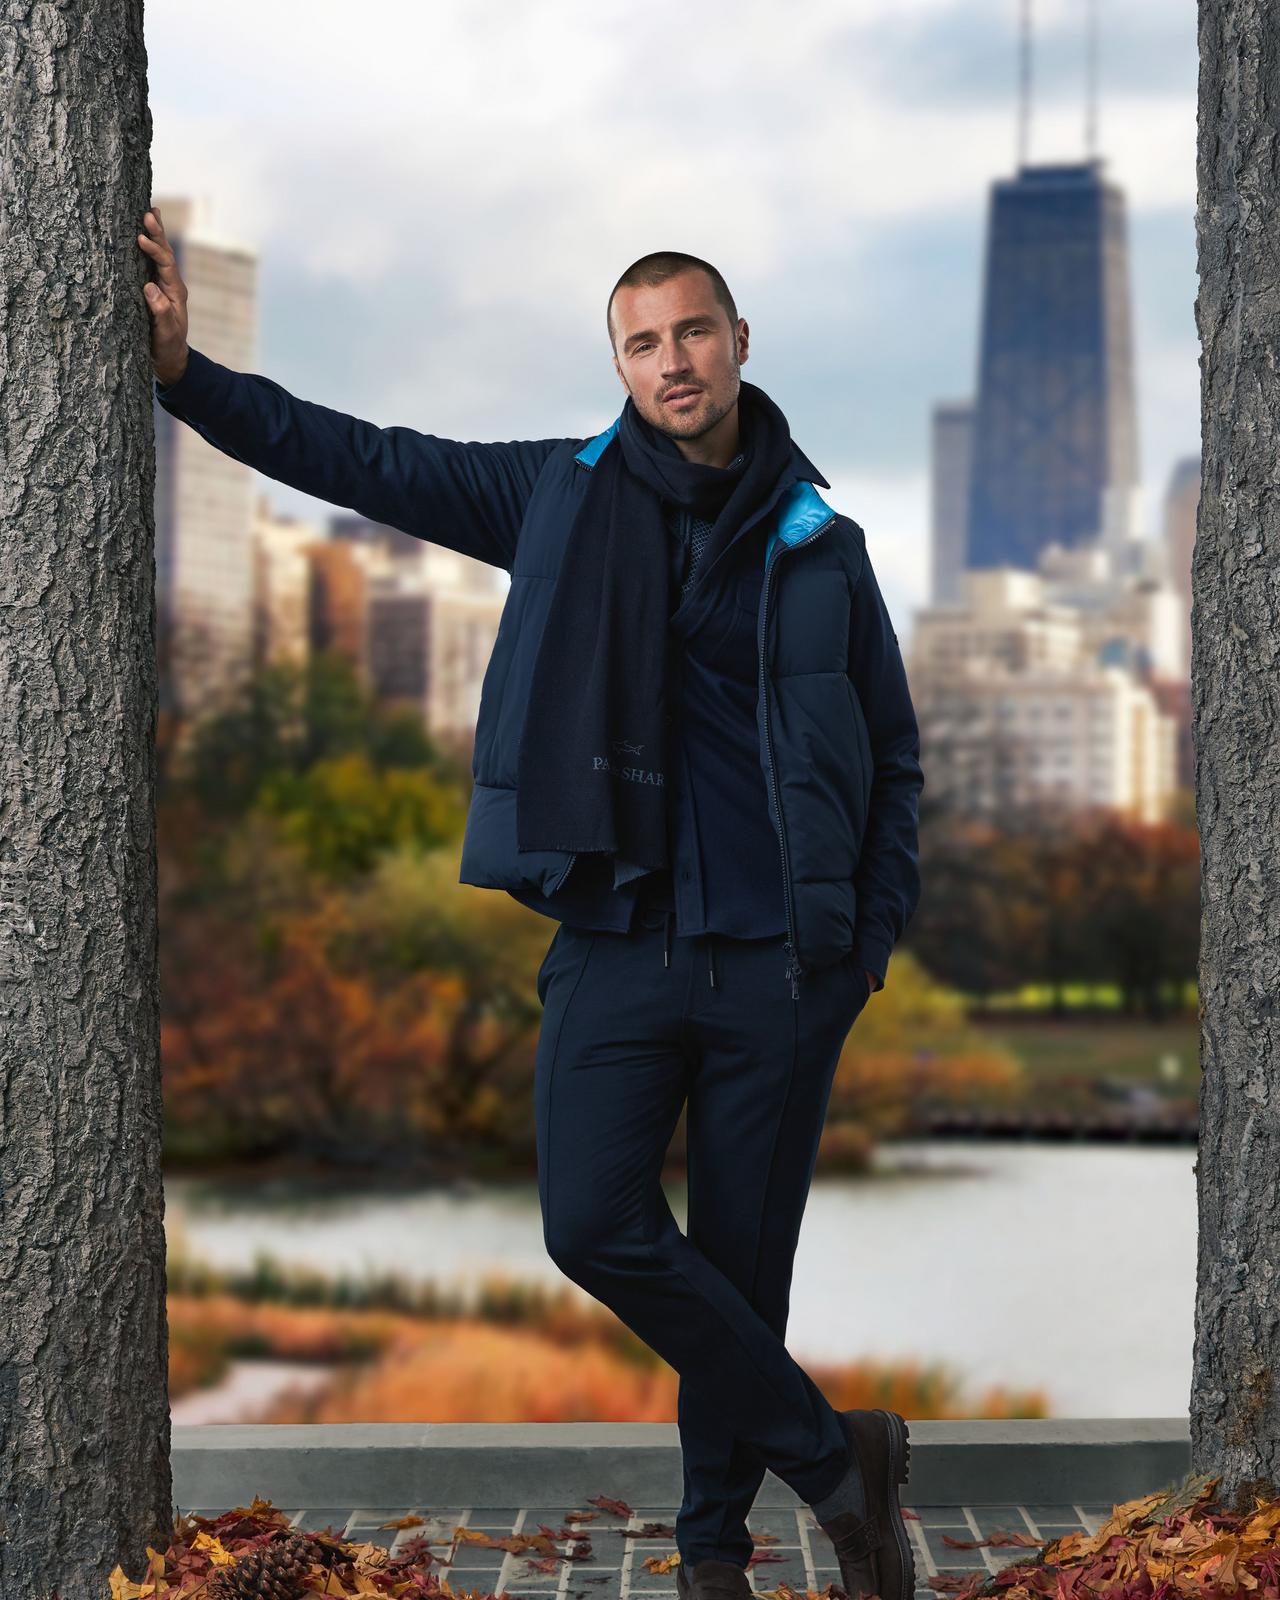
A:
[270, 1572]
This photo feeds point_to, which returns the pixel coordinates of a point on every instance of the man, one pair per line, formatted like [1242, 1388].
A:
[695, 743]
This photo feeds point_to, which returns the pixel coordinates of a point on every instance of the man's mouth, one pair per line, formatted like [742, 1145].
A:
[681, 397]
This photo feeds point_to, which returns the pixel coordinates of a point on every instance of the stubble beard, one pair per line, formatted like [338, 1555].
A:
[680, 425]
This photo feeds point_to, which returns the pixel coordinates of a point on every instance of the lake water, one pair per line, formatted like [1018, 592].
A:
[1069, 1268]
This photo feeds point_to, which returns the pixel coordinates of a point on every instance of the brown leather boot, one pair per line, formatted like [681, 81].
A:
[712, 1580]
[875, 1552]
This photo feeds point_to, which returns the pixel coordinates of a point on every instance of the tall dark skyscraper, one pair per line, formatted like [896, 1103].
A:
[1055, 421]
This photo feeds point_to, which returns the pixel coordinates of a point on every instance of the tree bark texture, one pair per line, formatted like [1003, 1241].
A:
[1235, 1407]
[84, 1419]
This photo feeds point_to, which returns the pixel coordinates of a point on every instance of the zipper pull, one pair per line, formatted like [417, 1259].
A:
[793, 970]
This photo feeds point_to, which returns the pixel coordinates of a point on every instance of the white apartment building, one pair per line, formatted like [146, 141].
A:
[281, 584]
[1019, 704]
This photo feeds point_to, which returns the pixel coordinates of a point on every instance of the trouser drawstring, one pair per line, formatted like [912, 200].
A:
[711, 959]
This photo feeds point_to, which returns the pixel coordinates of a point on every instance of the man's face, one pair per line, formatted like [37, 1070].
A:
[676, 354]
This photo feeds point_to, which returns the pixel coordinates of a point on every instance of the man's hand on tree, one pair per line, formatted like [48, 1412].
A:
[166, 297]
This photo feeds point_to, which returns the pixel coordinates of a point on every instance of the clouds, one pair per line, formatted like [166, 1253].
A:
[963, 54]
[443, 195]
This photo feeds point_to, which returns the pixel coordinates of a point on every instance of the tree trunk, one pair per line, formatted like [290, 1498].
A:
[84, 1417]
[1235, 1408]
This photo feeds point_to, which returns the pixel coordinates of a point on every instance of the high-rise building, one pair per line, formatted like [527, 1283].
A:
[356, 529]
[419, 636]
[429, 646]
[464, 628]
[341, 578]
[400, 645]
[950, 453]
[435, 564]
[1128, 613]
[1181, 503]
[282, 584]
[204, 498]
[1092, 738]
[1055, 425]
[1024, 698]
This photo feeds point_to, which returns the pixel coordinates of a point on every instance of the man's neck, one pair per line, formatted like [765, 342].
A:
[718, 446]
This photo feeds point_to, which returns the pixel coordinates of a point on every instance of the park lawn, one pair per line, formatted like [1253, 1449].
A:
[1096, 1048]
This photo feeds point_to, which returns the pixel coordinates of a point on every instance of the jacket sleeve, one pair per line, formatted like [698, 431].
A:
[887, 877]
[469, 497]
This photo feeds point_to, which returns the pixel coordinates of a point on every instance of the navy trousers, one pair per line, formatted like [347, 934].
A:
[634, 1024]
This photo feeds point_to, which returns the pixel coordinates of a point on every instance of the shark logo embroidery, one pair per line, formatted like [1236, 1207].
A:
[621, 749]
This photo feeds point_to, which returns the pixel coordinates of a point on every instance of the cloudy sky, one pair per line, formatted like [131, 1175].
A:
[441, 197]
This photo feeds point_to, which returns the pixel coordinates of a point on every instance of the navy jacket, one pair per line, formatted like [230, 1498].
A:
[726, 872]
[839, 743]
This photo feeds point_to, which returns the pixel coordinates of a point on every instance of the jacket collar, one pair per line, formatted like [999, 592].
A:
[800, 510]
[594, 449]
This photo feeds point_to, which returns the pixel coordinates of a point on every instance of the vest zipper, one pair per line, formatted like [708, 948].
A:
[794, 971]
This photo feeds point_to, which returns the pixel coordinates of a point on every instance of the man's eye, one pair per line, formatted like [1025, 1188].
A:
[697, 330]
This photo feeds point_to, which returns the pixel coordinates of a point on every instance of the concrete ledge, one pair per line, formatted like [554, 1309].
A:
[455, 1465]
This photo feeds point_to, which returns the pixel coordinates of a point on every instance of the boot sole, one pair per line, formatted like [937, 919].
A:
[899, 1472]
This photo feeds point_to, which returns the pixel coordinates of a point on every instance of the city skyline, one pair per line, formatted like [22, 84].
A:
[849, 224]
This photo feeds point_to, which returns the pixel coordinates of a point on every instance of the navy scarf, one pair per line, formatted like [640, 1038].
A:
[592, 764]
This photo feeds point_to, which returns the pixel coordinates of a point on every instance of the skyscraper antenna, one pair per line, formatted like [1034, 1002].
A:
[1024, 79]
[1091, 81]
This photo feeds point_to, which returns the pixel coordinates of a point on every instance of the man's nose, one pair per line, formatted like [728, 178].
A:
[675, 361]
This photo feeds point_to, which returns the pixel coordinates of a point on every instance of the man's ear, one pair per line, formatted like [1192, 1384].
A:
[744, 337]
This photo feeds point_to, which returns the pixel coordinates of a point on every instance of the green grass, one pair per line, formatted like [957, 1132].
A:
[1092, 997]
[1064, 1059]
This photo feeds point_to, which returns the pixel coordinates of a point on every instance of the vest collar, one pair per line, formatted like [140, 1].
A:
[800, 511]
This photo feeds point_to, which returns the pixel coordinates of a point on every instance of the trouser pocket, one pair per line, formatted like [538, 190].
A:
[544, 970]
[858, 980]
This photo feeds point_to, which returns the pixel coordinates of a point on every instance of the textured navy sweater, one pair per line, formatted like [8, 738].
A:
[726, 874]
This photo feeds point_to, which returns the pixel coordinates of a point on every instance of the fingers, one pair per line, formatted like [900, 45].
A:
[153, 243]
[161, 307]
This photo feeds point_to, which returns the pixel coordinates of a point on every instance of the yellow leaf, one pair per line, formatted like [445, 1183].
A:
[220, 1556]
[371, 1557]
[1261, 1527]
[1126, 1516]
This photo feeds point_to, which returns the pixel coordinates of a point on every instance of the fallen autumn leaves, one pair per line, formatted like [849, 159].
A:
[1159, 1547]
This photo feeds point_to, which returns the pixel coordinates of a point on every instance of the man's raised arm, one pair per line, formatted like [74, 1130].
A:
[470, 497]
